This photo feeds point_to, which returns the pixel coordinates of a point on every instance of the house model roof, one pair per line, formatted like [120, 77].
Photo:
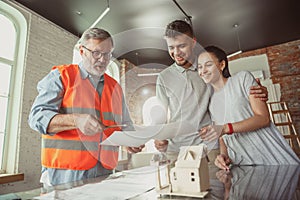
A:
[190, 156]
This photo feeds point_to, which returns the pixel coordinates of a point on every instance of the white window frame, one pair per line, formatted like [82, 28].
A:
[14, 111]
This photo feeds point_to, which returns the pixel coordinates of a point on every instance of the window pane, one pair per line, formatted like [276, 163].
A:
[1, 147]
[3, 112]
[8, 38]
[5, 71]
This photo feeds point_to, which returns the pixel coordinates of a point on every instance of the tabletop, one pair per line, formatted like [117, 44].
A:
[253, 182]
[241, 182]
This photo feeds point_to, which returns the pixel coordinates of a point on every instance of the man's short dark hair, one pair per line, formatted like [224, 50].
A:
[179, 27]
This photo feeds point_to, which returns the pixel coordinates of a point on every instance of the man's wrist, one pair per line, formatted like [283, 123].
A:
[224, 129]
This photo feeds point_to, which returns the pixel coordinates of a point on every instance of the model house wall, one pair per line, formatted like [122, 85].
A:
[190, 173]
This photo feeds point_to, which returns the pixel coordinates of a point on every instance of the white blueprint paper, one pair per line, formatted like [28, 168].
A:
[142, 134]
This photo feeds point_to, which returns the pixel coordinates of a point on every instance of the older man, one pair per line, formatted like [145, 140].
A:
[75, 106]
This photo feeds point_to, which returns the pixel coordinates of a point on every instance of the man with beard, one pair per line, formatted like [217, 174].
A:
[75, 106]
[181, 90]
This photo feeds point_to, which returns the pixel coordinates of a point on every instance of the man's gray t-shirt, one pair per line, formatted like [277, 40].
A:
[186, 96]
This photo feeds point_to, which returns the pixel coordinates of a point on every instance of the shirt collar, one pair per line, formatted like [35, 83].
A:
[193, 67]
[83, 73]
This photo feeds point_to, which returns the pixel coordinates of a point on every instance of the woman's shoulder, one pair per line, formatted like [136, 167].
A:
[244, 78]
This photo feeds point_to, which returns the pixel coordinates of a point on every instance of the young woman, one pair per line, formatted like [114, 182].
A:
[247, 136]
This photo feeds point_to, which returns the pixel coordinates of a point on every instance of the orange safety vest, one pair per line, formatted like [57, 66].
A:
[72, 149]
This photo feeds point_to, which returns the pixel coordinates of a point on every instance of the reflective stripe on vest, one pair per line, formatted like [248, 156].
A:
[72, 149]
[106, 115]
[70, 145]
[75, 145]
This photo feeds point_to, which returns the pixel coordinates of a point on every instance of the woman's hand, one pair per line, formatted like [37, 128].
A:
[222, 161]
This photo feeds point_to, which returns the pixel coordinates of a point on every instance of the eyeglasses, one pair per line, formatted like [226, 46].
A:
[98, 54]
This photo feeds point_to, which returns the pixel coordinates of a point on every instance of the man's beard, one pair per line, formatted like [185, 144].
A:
[182, 64]
[100, 66]
[99, 69]
[186, 61]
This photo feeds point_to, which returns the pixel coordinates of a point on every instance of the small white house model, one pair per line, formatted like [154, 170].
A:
[190, 174]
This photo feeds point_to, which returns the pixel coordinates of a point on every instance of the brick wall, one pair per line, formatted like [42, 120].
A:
[284, 62]
[47, 45]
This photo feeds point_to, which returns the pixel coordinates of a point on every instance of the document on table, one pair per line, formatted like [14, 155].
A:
[129, 186]
[118, 189]
[142, 134]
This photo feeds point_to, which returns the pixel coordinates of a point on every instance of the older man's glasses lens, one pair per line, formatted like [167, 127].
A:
[98, 54]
